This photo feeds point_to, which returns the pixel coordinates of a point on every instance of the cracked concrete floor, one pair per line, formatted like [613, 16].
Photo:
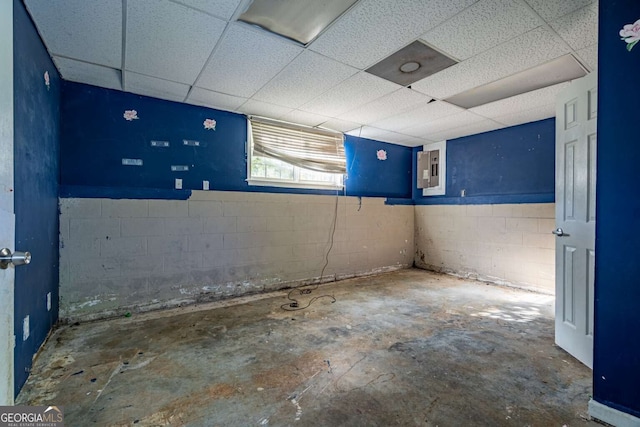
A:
[403, 348]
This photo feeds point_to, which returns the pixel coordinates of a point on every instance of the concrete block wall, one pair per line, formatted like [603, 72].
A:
[507, 243]
[129, 255]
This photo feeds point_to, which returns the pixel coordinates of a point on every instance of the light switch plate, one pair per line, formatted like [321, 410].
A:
[48, 301]
[205, 185]
[178, 184]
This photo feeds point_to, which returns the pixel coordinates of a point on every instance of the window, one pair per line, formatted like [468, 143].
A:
[287, 155]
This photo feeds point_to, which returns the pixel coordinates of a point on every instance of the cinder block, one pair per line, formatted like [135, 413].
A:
[251, 224]
[143, 226]
[94, 227]
[205, 208]
[168, 208]
[123, 246]
[182, 263]
[183, 226]
[546, 225]
[64, 227]
[522, 224]
[506, 211]
[141, 265]
[479, 210]
[238, 209]
[280, 223]
[82, 246]
[539, 240]
[220, 225]
[94, 269]
[80, 208]
[166, 244]
[219, 258]
[125, 208]
[205, 242]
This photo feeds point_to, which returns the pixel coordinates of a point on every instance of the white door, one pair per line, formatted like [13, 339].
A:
[576, 112]
[7, 222]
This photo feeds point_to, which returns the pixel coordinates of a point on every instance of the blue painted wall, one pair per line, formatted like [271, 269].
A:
[96, 137]
[36, 153]
[616, 366]
[511, 165]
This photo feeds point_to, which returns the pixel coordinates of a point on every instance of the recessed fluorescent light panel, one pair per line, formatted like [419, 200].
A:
[299, 20]
[410, 64]
[550, 73]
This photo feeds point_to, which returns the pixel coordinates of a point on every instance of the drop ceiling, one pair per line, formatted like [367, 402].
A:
[196, 52]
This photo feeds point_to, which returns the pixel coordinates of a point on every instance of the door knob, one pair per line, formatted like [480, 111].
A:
[559, 232]
[16, 258]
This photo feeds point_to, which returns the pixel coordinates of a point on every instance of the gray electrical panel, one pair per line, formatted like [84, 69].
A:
[428, 169]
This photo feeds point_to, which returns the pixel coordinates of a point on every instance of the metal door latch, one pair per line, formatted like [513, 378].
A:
[17, 258]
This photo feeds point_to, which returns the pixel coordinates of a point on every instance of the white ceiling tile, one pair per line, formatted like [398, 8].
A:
[522, 102]
[589, 56]
[426, 129]
[351, 93]
[486, 24]
[89, 31]
[246, 60]
[412, 141]
[379, 135]
[221, 8]
[168, 40]
[157, 88]
[374, 29]
[396, 102]
[304, 118]
[83, 72]
[340, 125]
[471, 129]
[263, 109]
[422, 114]
[552, 9]
[530, 115]
[221, 101]
[308, 76]
[523, 52]
[580, 28]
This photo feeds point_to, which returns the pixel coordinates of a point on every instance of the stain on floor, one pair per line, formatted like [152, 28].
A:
[409, 347]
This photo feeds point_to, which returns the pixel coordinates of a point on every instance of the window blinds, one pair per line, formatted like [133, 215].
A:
[309, 148]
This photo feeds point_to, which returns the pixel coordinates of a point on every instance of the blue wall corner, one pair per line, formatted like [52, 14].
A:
[36, 175]
[511, 165]
[96, 137]
[616, 366]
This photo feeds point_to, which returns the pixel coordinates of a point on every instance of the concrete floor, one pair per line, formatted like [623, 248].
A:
[404, 348]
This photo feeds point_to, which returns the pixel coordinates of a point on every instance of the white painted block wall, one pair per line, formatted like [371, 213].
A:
[131, 255]
[509, 243]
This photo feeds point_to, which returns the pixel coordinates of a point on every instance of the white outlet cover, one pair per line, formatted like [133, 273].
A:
[178, 184]
[25, 328]
[48, 301]
[205, 185]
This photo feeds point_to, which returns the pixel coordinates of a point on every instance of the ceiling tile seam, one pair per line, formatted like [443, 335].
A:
[222, 18]
[304, 49]
[33, 23]
[548, 26]
[124, 45]
[209, 59]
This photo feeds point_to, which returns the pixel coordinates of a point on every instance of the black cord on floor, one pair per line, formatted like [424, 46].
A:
[294, 305]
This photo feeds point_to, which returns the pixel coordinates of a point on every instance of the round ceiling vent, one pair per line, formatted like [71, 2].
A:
[409, 67]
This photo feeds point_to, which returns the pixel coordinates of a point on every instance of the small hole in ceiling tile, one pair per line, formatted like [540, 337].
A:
[409, 67]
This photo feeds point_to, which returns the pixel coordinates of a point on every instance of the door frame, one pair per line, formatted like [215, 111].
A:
[7, 234]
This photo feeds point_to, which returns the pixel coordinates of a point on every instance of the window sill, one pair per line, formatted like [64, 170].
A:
[285, 184]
